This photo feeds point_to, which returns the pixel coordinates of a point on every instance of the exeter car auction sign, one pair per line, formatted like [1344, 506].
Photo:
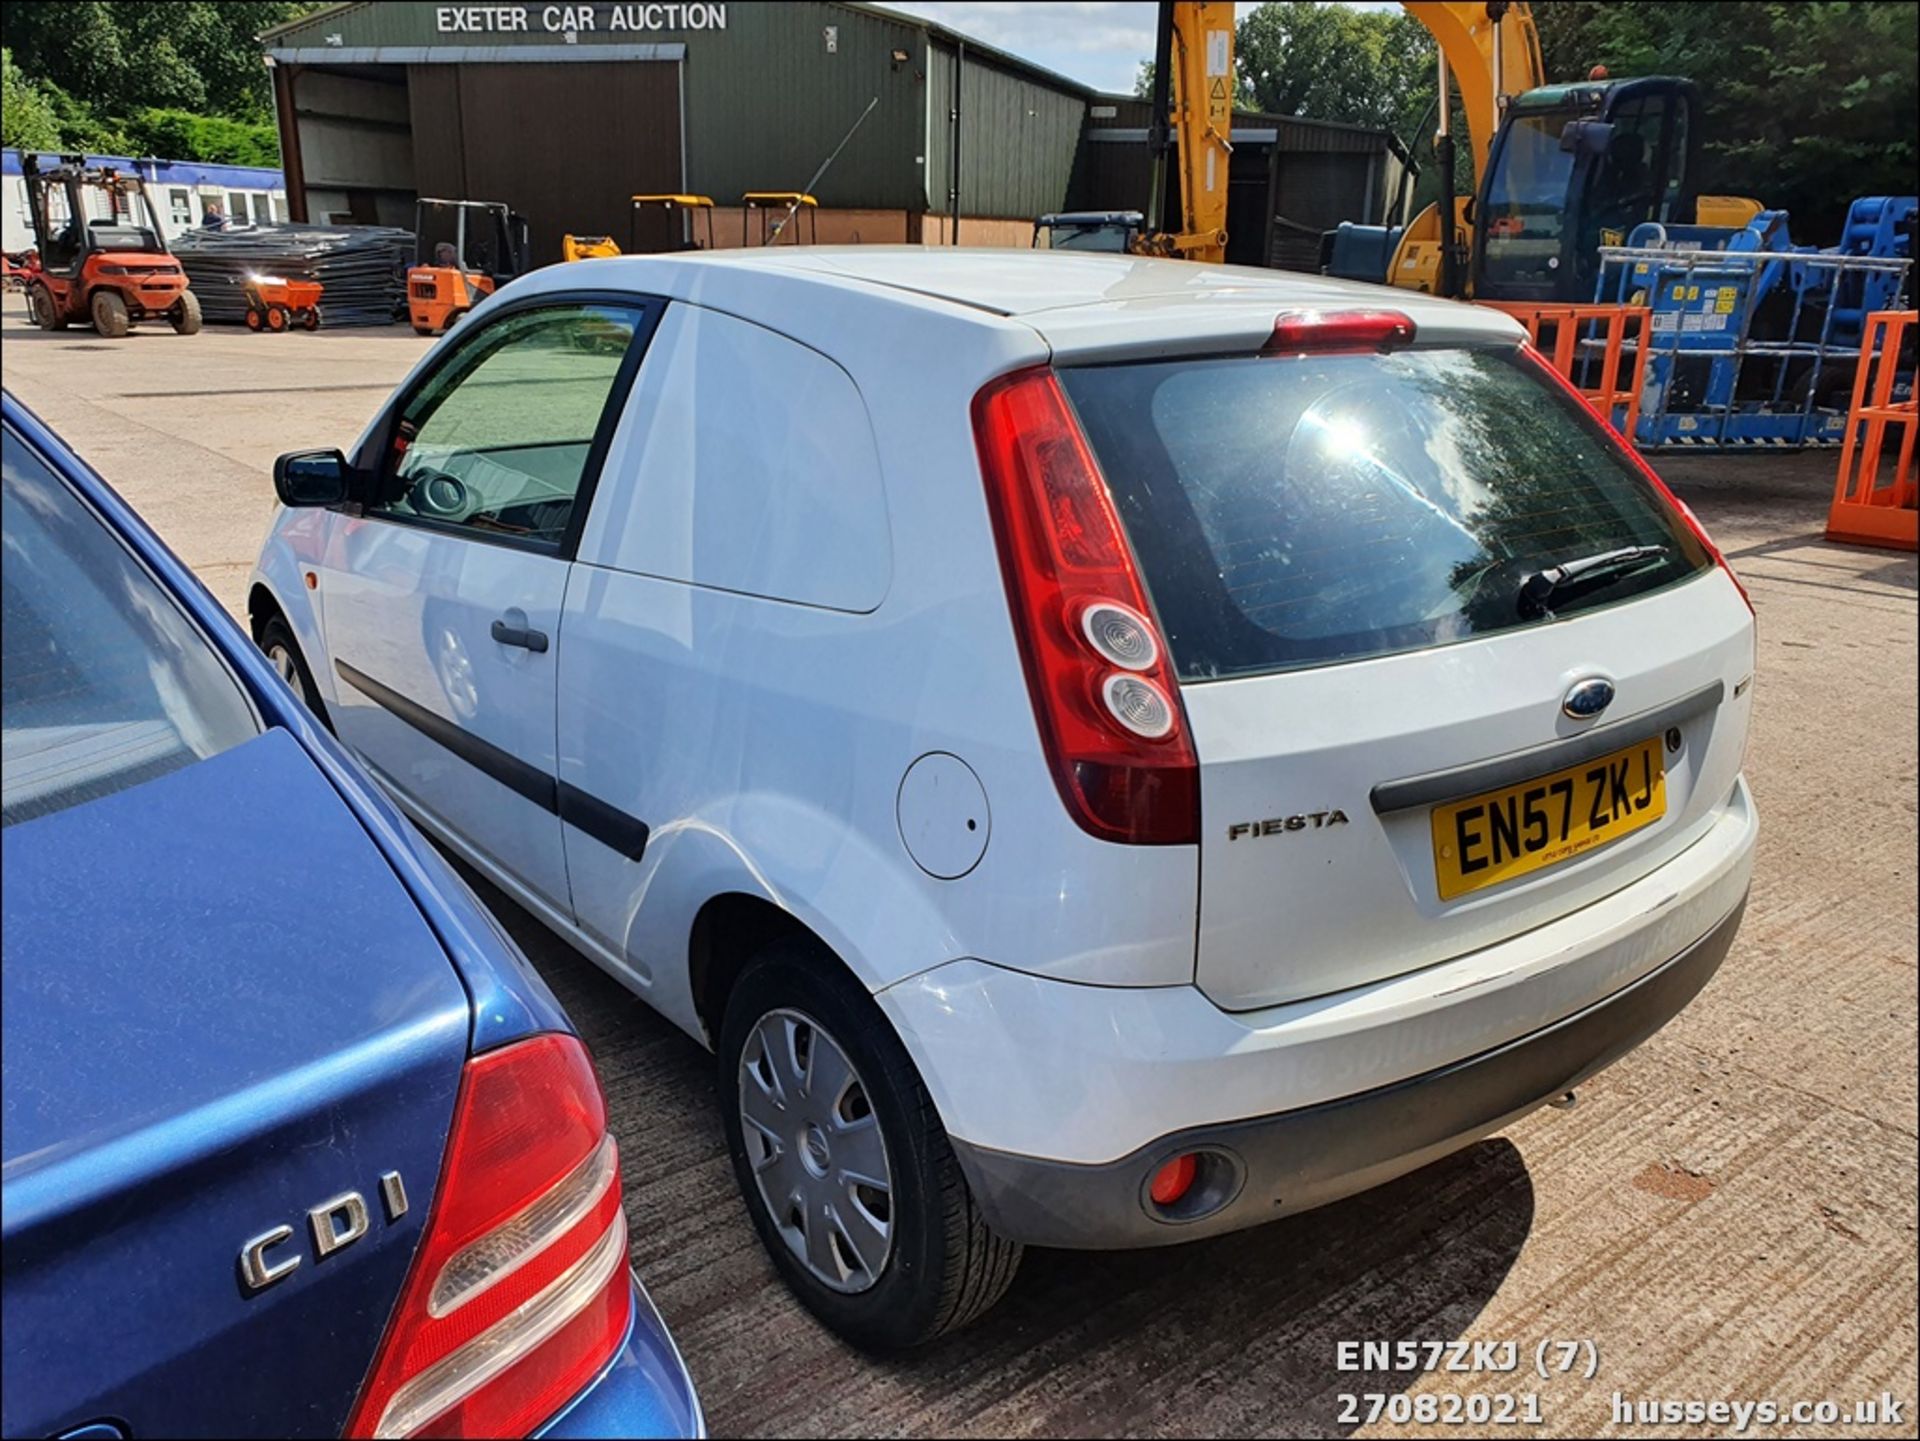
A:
[576, 19]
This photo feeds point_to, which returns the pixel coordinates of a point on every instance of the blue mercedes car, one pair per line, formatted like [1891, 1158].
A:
[296, 1141]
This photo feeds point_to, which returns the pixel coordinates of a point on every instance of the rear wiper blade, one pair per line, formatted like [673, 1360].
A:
[1540, 587]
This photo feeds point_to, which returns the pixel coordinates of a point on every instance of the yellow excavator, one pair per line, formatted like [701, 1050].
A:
[1193, 90]
[1560, 169]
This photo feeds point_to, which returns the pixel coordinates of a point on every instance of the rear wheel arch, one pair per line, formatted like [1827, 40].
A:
[729, 930]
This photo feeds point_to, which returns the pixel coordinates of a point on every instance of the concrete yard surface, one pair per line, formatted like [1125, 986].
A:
[1728, 1215]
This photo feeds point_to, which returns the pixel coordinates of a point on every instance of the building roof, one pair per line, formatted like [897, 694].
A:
[173, 172]
[274, 34]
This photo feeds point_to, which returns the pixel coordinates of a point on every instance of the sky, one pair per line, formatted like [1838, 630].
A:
[1098, 42]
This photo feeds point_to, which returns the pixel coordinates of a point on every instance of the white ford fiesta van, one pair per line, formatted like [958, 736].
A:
[1106, 750]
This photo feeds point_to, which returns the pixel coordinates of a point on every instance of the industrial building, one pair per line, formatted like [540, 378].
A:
[566, 111]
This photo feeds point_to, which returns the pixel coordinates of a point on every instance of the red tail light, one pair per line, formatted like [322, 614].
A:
[1338, 332]
[1103, 690]
[1639, 463]
[518, 1293]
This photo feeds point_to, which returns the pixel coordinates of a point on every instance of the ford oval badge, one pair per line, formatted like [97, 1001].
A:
[1588, 698]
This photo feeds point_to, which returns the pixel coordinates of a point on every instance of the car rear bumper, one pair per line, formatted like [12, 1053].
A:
[643, 1391]
[1272, 1166]
[1061, 1099]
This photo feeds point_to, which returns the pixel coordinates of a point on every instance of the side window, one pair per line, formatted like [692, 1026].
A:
[496, 440]
[747, 464]
[1677, 162]
[180, 208]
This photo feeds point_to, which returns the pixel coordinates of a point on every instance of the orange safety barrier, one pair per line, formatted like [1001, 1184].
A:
[1558, 333]
[1864, 511]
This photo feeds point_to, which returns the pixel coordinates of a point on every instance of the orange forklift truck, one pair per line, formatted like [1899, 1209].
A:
[103, 253]
[464, 250]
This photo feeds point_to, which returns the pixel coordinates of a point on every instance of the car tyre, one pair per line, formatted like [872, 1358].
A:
[942, 1266]
[184, 314]
[282, 651]
[110, 314]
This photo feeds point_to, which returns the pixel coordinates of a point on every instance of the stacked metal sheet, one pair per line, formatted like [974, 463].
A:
[362, 267]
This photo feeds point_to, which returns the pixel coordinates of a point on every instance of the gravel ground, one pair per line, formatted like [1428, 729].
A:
[1729, 1214]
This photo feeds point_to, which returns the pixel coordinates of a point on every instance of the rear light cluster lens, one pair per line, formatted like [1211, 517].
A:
[1123, 636]
[1639, 463]
[1097, 669]
[1138, 705]
[518, 1293]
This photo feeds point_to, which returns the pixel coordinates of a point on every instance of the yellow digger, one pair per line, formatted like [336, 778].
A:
[1561, 169]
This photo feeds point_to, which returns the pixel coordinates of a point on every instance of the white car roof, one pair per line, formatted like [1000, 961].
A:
[1083, 303]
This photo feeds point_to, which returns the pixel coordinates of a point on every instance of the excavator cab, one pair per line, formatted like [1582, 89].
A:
[1573, 168]
[464, 250]
[102, 252]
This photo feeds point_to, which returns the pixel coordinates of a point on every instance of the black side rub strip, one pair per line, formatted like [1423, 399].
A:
[512, 772]
[1437, 787]
[611, 827]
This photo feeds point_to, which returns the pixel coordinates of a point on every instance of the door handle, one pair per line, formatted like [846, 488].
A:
[524, 636]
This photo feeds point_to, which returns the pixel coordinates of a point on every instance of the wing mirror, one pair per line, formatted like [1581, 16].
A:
[312, 477]
[1586, 137]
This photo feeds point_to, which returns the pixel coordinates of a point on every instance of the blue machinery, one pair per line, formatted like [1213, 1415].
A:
[1752, 340]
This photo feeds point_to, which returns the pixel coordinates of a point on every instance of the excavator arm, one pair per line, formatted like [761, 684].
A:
[1193, 100]
[1487, 58]
[1489, 49]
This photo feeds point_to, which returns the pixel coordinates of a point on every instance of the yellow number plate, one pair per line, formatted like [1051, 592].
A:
[1494, 837]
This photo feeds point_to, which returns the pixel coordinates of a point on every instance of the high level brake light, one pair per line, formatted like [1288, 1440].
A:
[1103, 692]
[519, 1292]
[1639, 463]
[1338, 332]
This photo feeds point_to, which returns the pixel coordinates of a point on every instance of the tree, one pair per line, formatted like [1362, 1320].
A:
[117, 56]
[1804, 106]
[27, 120]
[179, 134]
[1335, 62]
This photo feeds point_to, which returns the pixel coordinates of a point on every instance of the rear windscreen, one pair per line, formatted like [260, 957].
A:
[1302, 510]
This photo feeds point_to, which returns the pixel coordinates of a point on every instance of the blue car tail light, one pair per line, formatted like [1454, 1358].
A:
[519, 1292]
